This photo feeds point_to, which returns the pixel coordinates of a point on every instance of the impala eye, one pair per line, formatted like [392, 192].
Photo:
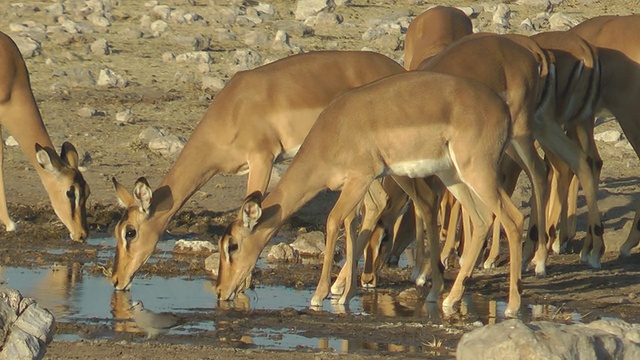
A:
[71, 193]
[232, 248]
[130, 234]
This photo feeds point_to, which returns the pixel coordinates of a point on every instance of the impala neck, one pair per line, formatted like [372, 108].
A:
[294, 190]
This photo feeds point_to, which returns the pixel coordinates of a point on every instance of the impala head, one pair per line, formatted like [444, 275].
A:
[239, 250]
[139, 229]
[67, 189]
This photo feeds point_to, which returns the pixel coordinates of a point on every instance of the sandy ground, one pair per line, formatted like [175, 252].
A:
[157, 99]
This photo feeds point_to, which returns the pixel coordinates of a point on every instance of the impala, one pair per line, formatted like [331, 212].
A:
[59, 174]
[616, 38]
[260, 117]
[411, 125]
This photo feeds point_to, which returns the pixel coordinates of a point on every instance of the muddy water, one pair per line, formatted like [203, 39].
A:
[76, 296]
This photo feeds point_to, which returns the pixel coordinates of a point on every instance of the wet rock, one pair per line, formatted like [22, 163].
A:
[309, 244]
[608, 136]
[26, 329]
[167, 146]
[560, 21]
[108, 77]
[306, 8]
[513, 339]
[282, 253]
[193, 246]
[28, 47]
[212, 83]
[101, 47]
[211, 264]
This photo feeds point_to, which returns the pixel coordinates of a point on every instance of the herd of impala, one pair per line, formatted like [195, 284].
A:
[440, 141]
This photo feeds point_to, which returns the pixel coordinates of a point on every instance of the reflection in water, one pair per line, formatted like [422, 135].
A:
[121, 311]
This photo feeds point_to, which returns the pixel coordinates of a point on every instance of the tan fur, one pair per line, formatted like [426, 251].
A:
[59, 173]
[259, 116]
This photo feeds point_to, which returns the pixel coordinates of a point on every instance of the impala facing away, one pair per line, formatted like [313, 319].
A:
[616, 38]
[261, 116]
[59, 174]
[411, 125]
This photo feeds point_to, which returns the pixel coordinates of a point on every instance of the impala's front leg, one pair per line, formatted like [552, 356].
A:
[4, 213]
[350, 196]
[260, 166]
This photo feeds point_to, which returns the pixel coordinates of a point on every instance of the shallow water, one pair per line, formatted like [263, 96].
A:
[75, 296]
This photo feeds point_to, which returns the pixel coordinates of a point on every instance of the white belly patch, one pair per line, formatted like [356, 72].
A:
[420, 168]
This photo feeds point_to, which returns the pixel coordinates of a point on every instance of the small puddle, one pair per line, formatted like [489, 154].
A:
[75, 296]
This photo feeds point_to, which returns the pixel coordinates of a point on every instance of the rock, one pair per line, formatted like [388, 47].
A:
[246, 59]
[69, 26]
[624, 144]
[527, 25]
[168, 57]
[193, 246]
[81, 77]
[167, 146]
[196, 43]
[99, 20]
[133, 34]
[183, 77]
[256, 39]
[28, 47]
[204, 68]
[55, 9]
[11, 141]
[306, 8]
[109, 78]
[608, 136]
[282, 253]
[161, 12]
[324, 19]
[195, 57]
[101, 47]
[539, 3]
[87, 112]
[151, 133]
[211, 264]
[512, 339]
[560, 21]
[264, 8]
[501, 16]
[27, 328]
[309, 244]
[212, 83]
[158, 27]
[471, 11]
[281, 42]
[222, 16]
[294, 28]
[124, 116]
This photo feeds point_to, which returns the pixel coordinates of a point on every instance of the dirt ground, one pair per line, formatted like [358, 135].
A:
[156, 98]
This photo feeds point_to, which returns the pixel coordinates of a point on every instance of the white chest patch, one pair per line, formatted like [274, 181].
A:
[420, 168]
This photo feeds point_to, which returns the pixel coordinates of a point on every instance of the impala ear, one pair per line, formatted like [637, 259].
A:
[142, 194]
[124, 197]
[69, 155]
[48, 160]
[251, 210]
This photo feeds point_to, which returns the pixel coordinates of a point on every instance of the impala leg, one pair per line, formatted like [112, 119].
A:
[422, 267]
[9, 224]
[452, 233]
[634, 236]
[557, 208]
[351, 195]
[466, 234]
[553, 139]
[425, 201]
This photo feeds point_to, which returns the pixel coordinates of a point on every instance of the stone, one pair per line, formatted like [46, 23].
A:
[256, 39]
[608, 136]
[158, 27]
[99, 20]
[161, 12]
[81, 78]
[110, 79]
[11, 141]
[87, 112]
[310, 244]
[195, 57]
[124, 116]
[211, 264]
[101, 47]
[513, 339]
[193, 246]
[151, 133]
[168, 57]
[560, 21]
[212, 83]
[246, 59]
[306, 8]
[282, 253]
[167, 146]
[28, 47]
[294, 28]
[502, 15]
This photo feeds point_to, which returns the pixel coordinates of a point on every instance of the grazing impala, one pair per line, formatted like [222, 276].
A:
[616, 38]
[411, 125]
[260, 117]
[59, 174]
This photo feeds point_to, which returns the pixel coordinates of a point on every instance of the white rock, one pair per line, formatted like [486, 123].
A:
[101, 47]
[124, 116]
[87, 112]
[211, 264]
[560, 21]
[502, 15]
[11, 141]
[158, 27]
[195, 57]
[167, 146]
[212, 83]
[109, 78]
[68, 25]
[306, 8]
[608, 136]
[265, 8]
[161, 12]
[310, 244]
[27, 46]
[99, 20]
[55, 9]
[204, 68]
[246, 59]
[151, 133]
[193, 246]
